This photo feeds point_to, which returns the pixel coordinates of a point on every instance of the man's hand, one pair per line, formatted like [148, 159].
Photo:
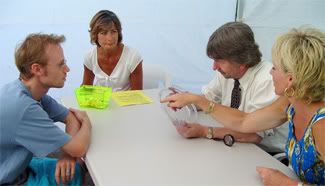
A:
[65, 169]
[274, 177]
[78, 145]
[190, 130]
[81, 116]
[179, 100]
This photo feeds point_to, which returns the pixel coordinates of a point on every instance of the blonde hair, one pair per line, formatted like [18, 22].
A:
[301, 52]
[32, 50]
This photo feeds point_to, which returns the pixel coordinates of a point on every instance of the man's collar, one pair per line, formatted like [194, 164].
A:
[247, 76]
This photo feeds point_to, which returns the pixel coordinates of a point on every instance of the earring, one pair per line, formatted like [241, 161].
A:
[308, 100]
[289, 92]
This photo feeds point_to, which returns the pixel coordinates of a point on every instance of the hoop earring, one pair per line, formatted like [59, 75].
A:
[308, 100]
[289, 92]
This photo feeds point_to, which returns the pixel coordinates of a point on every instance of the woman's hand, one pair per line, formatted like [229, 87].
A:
[65, 169]
[274, 177]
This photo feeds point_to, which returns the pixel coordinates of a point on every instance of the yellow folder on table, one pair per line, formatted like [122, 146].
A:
[131, 97]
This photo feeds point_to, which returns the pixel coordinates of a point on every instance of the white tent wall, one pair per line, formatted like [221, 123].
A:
[270, 18]
[171, 33]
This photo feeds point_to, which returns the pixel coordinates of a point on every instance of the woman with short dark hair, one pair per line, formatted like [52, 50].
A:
[111, 63]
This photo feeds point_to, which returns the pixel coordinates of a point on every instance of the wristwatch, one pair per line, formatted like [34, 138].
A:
[228, 140]
[210, 133]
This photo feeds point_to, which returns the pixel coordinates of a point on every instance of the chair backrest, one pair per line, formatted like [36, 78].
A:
[155, 76]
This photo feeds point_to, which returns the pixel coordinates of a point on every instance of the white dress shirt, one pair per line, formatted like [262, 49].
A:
[257, 91]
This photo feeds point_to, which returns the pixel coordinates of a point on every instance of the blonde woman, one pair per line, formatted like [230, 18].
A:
[299, 78]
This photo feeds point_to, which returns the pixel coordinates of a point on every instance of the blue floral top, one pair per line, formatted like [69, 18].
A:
[303, 156]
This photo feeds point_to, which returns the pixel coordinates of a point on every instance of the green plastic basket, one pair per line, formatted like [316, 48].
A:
[93, 96]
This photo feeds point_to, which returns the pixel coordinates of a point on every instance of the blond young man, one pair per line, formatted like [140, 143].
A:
[27, 116]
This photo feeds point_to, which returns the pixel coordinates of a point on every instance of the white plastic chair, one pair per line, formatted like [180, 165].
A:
[155, 76]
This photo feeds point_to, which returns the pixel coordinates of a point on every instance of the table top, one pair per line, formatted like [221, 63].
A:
[138, 145]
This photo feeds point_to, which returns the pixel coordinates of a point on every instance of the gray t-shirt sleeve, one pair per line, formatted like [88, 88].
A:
[37, 132]
[55, 111]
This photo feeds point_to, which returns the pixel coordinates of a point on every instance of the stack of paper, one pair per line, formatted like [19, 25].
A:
[132, 97]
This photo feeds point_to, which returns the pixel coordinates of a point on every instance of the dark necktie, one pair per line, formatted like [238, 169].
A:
[235, 95]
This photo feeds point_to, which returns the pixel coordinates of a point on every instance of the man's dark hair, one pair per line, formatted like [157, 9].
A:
[234, 41]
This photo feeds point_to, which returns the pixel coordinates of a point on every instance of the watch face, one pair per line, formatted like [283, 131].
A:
[210, 133]
[229, 140]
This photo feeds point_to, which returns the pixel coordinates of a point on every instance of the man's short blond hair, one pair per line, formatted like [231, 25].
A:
[33, 50]
[301, 52]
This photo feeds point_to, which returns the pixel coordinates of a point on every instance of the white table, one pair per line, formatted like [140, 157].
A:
[138, 145]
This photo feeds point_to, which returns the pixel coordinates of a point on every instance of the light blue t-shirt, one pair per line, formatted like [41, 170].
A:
[27, 128]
